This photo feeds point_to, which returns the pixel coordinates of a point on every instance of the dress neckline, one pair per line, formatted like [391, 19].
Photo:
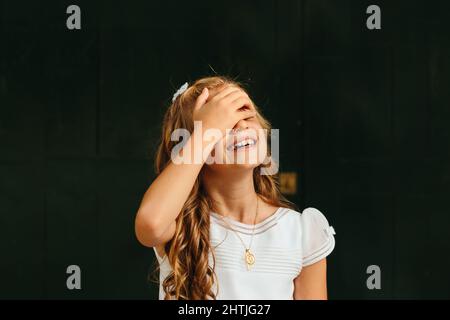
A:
[248, 226]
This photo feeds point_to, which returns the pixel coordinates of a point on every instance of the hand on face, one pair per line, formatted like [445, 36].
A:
[223, 108]
[229, 107]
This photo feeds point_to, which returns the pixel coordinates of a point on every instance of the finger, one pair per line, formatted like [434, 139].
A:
[243, 115]
[243, 102]
[201, 98]
[246, 114]
[233, 95]
[225, 91]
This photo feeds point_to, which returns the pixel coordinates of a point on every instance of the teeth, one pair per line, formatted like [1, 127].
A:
[247, 142]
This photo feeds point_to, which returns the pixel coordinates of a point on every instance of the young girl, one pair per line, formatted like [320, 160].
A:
[223, 230]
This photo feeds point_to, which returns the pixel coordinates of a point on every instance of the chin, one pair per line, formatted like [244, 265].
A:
[242, 167]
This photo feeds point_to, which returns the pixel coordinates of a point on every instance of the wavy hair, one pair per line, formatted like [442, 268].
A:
[192, 277]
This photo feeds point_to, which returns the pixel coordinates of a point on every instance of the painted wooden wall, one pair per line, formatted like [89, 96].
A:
[363, 118]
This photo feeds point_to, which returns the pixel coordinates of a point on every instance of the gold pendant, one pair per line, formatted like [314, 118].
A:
[249, 258]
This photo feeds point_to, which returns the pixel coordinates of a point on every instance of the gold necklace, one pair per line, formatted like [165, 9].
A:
[249, 257]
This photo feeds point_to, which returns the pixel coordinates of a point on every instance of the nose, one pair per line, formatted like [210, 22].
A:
[241, 125]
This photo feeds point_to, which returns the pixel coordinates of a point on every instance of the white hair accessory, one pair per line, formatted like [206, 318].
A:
[180, 91]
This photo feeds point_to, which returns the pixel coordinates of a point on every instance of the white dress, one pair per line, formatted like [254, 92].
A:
[282, 244]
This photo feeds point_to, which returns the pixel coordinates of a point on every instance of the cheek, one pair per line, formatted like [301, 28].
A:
[262, 137]
[262, 149]
[262, 144]
[219, 151]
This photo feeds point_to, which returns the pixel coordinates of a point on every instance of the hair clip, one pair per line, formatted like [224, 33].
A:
[180, 91]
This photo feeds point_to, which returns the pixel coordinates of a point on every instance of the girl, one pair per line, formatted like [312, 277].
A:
[223, 230]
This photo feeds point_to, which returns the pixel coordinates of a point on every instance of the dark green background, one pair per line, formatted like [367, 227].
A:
[363, 116]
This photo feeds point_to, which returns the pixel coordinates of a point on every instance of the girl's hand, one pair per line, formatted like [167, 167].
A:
[224, 110]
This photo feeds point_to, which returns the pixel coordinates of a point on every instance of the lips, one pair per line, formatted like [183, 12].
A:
[241, 140]
[246, 142]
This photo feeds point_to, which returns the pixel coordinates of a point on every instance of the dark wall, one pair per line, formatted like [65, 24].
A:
[363, 118]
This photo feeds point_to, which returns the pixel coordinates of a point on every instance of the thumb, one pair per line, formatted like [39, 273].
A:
[202, 98]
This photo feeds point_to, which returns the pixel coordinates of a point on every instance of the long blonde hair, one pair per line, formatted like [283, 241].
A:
[192, 277]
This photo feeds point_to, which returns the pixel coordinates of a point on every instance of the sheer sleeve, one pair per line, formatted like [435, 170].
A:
[317, 236]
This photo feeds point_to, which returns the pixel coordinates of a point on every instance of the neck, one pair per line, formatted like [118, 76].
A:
[233, 194]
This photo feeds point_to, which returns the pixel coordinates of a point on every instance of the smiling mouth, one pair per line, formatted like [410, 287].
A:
[246, 143]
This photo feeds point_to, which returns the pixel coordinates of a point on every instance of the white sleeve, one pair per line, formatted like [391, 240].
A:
[317, 236]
